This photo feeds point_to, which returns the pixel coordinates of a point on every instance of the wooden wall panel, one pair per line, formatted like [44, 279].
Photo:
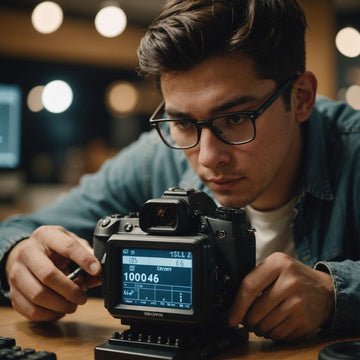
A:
[320, 39]
[76, 41]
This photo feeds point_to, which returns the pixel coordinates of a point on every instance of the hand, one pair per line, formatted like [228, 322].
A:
[37, 270]
[283, 299]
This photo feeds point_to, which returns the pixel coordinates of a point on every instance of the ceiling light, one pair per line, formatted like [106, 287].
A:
[34, 101]
[57, 96]
[348, 42]
[121, 98]
[47, 17]
[110, 21]
[353, 97]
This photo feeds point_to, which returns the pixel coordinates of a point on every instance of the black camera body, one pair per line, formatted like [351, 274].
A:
[171, 272]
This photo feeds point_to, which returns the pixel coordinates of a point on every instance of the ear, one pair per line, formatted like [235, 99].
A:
[304, 95]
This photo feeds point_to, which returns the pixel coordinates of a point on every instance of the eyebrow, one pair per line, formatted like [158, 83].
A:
[217, 109]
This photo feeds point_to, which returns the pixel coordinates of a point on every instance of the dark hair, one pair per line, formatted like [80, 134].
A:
[186, 32]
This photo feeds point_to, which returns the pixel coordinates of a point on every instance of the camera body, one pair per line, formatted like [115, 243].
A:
[174, 268]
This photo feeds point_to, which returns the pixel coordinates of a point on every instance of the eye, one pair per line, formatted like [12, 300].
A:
[182, 125]
[236, 119]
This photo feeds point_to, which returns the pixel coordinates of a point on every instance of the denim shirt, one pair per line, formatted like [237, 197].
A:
[326, 224]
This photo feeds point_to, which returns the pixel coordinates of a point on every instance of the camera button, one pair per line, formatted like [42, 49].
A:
[105, 222]
[128, 227]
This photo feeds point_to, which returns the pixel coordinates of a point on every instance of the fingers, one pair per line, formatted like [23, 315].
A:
[62, 242]
[32, 311]
[33, 268]
[262, 320]
[290, 328]
[48, 280]
[283, 299]
[36, 269]
[280, 322]
[40, 303]
[83, 242]
[250, 289]
[280, 298]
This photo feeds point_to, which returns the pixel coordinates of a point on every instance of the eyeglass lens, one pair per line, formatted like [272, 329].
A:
[235, 128]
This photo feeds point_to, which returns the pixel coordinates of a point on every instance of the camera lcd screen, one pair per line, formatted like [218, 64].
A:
[159, 278]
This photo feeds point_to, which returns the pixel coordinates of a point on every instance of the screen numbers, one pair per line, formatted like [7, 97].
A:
[181, 254]
[157, 277]
[141, 277]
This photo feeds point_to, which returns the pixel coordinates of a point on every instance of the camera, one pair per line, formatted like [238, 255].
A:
[171, 272]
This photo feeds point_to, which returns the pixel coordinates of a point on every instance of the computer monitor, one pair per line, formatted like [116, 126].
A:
[10, 126]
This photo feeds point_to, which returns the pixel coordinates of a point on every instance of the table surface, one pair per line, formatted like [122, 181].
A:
[76, 335]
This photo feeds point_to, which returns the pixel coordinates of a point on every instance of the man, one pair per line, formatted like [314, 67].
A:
[240, 108]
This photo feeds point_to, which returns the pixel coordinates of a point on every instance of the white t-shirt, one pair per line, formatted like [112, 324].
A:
[273, 230]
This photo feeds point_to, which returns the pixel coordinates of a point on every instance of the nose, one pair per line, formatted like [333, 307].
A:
[212, 151]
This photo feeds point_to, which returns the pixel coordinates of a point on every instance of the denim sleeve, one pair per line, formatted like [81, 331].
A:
[346, 280]
[121, 186]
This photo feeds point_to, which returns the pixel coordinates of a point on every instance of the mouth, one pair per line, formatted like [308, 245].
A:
[223, 184]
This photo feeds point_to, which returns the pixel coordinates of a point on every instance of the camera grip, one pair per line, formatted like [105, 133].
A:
[105, 227]
[99, 245]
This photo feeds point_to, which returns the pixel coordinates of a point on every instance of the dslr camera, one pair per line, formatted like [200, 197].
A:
[171, 273]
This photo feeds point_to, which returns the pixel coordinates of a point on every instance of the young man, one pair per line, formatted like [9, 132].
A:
[241, 107]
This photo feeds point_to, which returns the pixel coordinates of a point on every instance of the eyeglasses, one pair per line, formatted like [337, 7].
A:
[234, 128]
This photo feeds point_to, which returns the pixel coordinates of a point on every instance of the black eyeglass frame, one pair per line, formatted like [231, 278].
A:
[253, 115]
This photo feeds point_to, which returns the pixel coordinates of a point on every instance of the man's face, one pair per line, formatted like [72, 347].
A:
[263, 172]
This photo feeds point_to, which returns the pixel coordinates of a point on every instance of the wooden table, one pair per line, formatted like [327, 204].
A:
[75, 336]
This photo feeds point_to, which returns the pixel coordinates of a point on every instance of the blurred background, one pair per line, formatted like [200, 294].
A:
[70, 97]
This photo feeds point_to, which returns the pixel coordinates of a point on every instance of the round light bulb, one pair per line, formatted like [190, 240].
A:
[57, 96]
[348, 42]
[47, 17]
[110, 21]
[121, 97]
[353, 97]
[34, 100]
